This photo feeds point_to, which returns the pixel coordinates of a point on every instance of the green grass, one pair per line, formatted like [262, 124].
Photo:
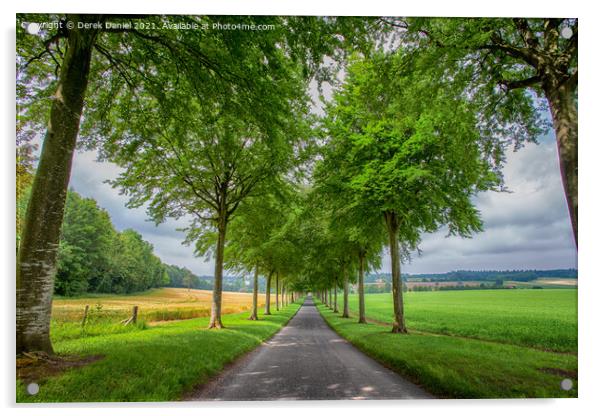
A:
[459, 367]
[158, 363]
[544, 319]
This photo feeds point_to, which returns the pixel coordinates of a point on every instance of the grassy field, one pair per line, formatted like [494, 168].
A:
[157, 363]
[456, 367]
[544, 319]
[155, 306]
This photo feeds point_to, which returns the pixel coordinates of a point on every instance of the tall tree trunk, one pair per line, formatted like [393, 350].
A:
[216, 305]
[277, 290]
[360, 287]
[38, 249]
[393, 229]
[563, 106]
[336, 304]
[345, 292]
[330, 298]
[268, 285]
[253, 316]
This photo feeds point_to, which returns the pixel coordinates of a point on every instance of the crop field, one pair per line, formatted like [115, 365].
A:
[154, 307]
[544, 319]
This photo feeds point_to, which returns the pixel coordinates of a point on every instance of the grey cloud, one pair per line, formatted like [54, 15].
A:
[89, 179]
[527, 228]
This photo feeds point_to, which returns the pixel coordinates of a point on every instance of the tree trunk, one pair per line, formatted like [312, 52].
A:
[563, 106]
[277, 290]
[330, 298]
[393, 229]
[336, 304]
[216, 305]
[268, 284]
[253, 316]
[37, 258]
[345, 292]
[360, 288]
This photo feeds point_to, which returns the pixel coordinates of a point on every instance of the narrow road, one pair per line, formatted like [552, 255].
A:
[308, 360]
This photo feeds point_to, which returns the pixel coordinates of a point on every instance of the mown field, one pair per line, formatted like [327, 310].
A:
[154, 306]
[474, 344]
[146, 363]
[544, 318]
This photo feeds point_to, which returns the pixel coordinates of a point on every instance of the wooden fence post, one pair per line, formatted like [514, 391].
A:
[132, 319]
[134, 314]
[85, 315]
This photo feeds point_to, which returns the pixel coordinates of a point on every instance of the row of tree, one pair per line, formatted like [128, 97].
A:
[413, 134]
[217, 126]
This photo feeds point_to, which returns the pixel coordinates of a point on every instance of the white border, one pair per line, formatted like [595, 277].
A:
[589, 284]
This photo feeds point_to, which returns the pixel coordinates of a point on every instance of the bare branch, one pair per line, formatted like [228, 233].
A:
[53, 39]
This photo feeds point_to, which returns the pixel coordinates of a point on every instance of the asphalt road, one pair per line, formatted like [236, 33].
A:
[307, 360]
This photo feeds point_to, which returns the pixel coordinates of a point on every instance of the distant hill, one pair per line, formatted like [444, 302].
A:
[479, 275]
[182, 277]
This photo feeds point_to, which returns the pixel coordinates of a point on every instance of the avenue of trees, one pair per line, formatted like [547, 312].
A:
[217, 127]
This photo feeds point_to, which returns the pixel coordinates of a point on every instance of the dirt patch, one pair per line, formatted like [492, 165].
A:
[559, 372]
[33, 367]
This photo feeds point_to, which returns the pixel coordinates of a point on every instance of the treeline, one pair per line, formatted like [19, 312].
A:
[183, 277]
[94, 257]
[479, 275]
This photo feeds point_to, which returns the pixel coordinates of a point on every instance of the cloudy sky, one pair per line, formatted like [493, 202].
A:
[526, 228]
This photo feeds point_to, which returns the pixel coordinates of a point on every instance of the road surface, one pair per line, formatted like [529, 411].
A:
[308, 360]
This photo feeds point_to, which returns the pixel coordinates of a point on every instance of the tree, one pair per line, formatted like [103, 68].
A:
[417, 160]
[36, 263]
[356, 224]
[86, 246]
[190, 280]
[251, 235]
[503, 64]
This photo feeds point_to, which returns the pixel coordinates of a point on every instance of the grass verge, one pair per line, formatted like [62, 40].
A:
[452, 367]
[153, 363]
